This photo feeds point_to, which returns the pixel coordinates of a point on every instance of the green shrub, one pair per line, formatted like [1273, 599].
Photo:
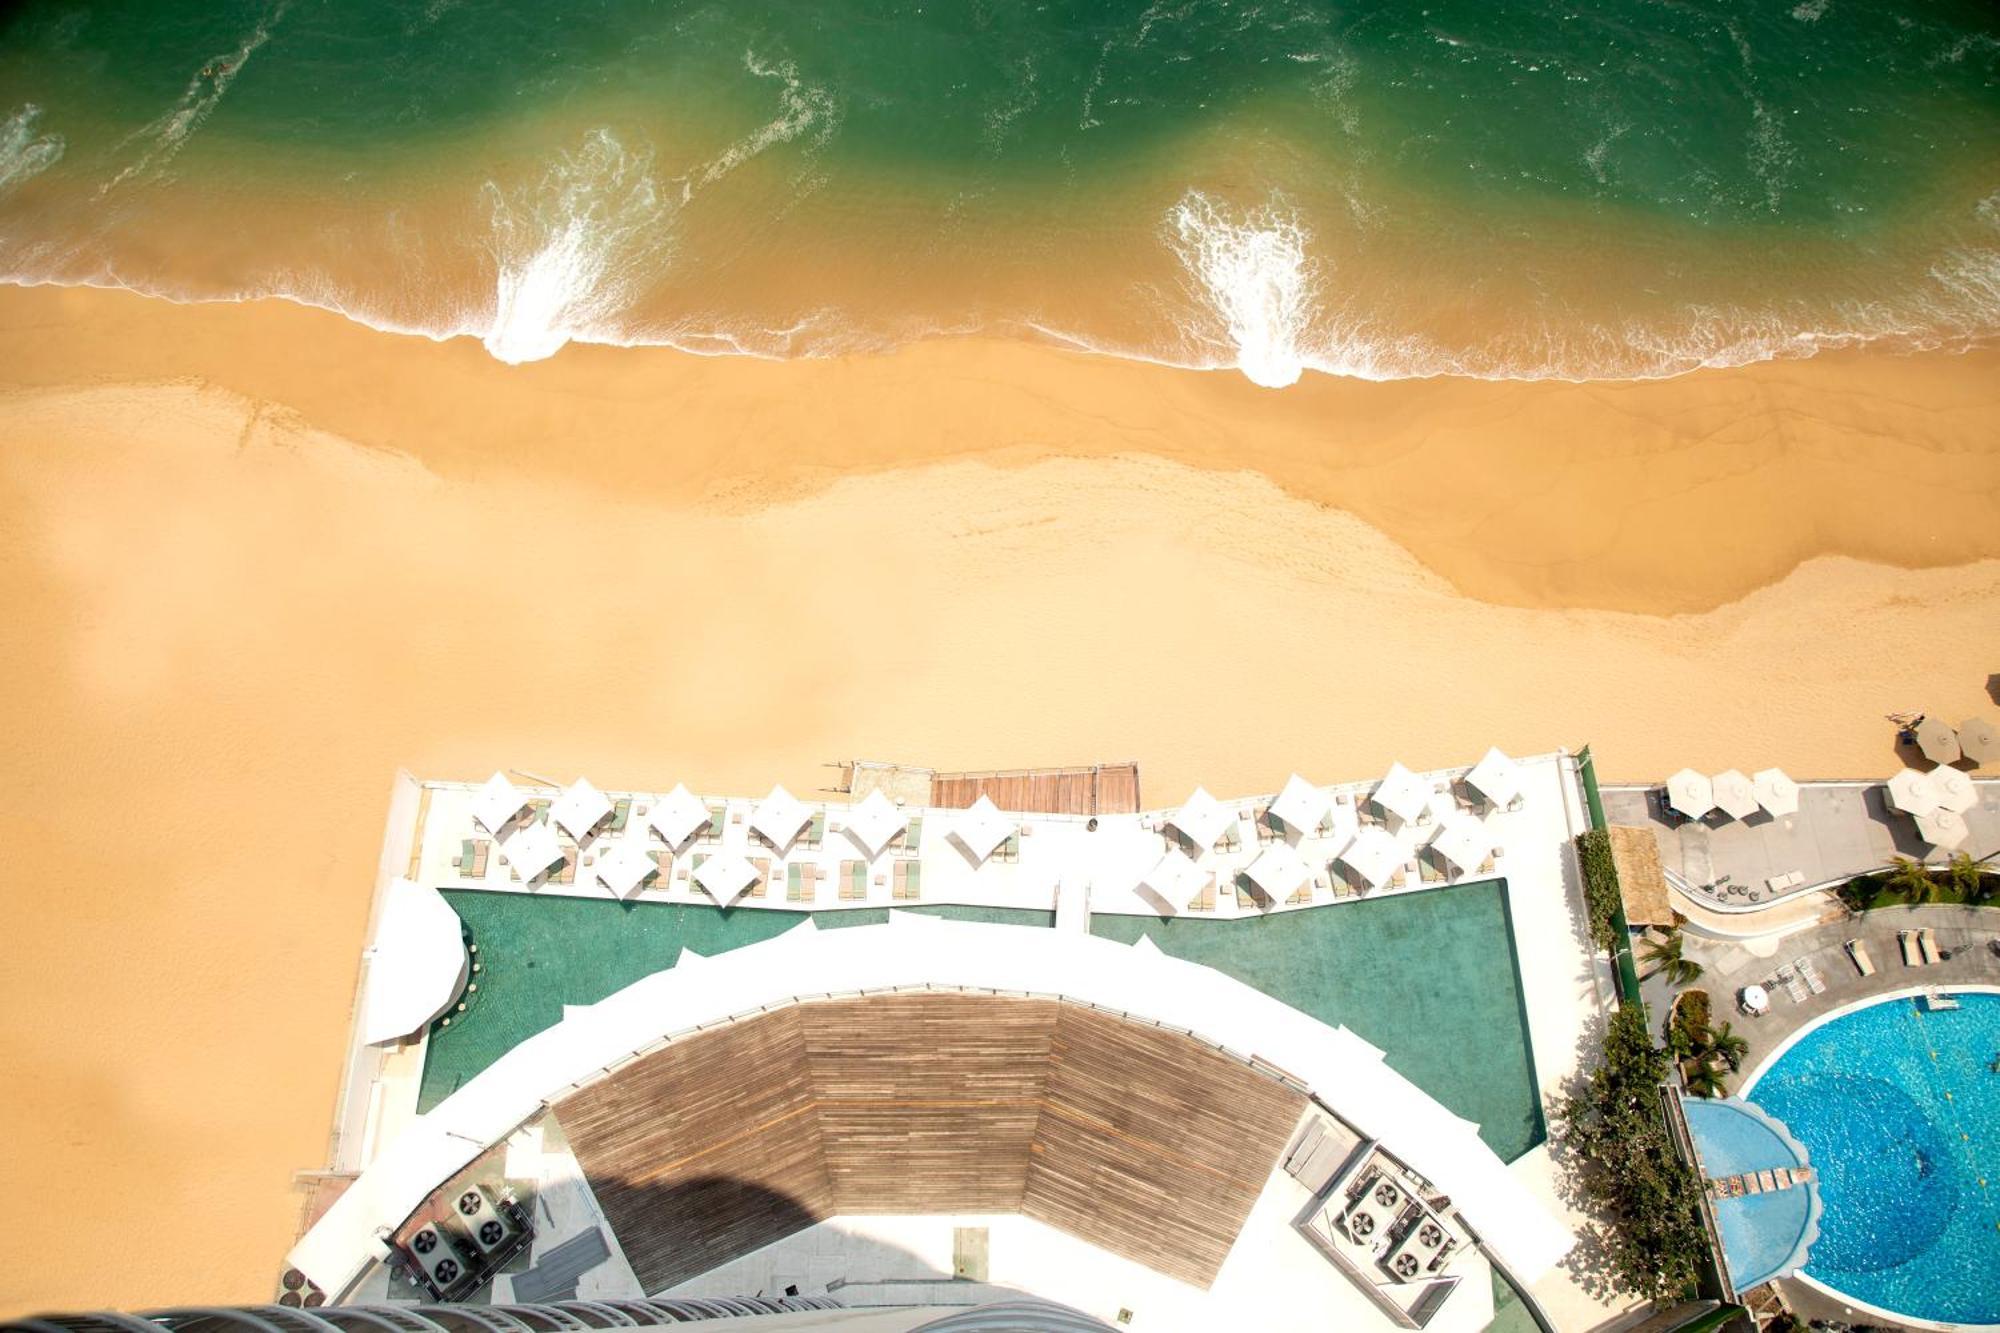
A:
[1600, 888]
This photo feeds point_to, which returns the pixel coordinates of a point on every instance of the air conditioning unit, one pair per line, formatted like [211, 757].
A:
[488, 1226]
[439, 1258]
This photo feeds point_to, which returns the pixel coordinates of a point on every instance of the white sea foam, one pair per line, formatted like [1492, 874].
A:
[163, 136]
[1810, 11]
[571, 252]
[802, 108]
[23, 151]
[1254, 279]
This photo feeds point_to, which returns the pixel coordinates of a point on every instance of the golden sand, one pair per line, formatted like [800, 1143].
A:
[255, 559]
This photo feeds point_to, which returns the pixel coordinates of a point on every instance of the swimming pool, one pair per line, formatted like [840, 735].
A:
[1899, 1108]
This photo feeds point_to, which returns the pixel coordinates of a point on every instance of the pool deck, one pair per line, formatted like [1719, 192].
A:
[1842, 829]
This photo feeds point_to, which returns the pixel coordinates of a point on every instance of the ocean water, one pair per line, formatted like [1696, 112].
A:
[1536, 189]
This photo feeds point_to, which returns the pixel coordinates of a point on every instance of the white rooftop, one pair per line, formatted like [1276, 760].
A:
[1374, 855]
[1735, 795]
[1300, 806]
[417, 966]
[624, 867]
[871, 824]
[1202, 818]
[1776, 791]
[779, 817]
[1691, 793]
[532, 851]
[980, 828]
[580, 809]
[677, 816]
[497, 803]
[1402, 793]
[1496, 777]
[725, 876]
[1278, 870]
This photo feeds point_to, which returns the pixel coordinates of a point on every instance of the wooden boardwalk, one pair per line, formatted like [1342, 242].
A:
[1139, 1140]
[1100, 789]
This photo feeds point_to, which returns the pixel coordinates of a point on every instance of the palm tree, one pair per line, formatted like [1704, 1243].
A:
[1704, 1081]
[1967, 874]
[1680, 970]
[1726, 1046]
[1912, 880]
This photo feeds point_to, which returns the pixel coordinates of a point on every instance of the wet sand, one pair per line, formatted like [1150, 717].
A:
[255, 559]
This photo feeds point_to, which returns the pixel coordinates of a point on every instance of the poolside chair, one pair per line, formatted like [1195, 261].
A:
[1231, 839]
[1858, 951]
[621, 814]
[1300, 896]
[1248, 895]
[566, 874]
[663, 860]
[762, 866]
[1267, 827]
[1009, 850]
[463, 861]
[480, 850]
[717, 815]
[801, 883]
[906, 880]
[911, 836]
[1204, 901]
[815, 833]
[1814, 981]
[853, 881]
[1927, 945]
[1907, 939]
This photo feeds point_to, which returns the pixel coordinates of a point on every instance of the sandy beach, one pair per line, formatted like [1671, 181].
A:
[256, 558]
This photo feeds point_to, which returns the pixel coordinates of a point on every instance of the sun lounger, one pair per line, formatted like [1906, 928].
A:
[801, 883]
[1789, 978]
[717, 814]
[1858, 951]
[664, 859]
[1814, 981]
[1266, 826]
[853, 881]
[1927, 945]
[906, 880]
[1908, 940]
[621, 812]
[911, 835]
[1205, 900]
[1009, 850]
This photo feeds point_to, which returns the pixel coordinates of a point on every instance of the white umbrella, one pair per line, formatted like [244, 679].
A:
[1691, 793]
[677, 816]
[1300, 806]
[725, 876]
[1944, 829]
[1176, 878]
[1911, 794]
[1278, 870]
[1979, 740]
[981, 828]
[871, 824]
[497, 803]
[1373, 855]
[1776, 791]
[1756, 999]
[1496, 777]
[1463, 841]
[1954, 790]
[1937, 740]
[1202, 818]
[779, 817]
[624, 868]
[580, 809]
[1402, 793]
[1735, 796]
[532, 851]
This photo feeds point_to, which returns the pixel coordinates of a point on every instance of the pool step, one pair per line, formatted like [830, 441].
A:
[1759, 1182]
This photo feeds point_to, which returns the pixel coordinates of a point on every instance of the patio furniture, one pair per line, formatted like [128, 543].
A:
[1927, 946]
[906, 880]
[1858, 951]
[1908, 942]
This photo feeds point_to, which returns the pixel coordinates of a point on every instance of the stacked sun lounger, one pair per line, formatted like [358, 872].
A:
[1795, 986]
[1814, 981]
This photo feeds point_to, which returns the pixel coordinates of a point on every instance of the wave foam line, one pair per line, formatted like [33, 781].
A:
[1254, 278]
[23, 151]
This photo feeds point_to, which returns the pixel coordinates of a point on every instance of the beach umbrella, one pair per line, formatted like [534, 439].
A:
[1463, 841]
[1202, 819]
[532, 851]
[1734, 794]
[677, 816]
[1496, 777]
[497, 803]
[1954, 790]
[871, 824]
[1756, 999]
[624, 868]
[1176, 878]
[1943, 829]
[1300, 806]
[580, 809]
[1937, 740]
[725, 877]
[1373, 855]
[779, 817]
[1911, 794]
[1402, 793]
[1979, 740]
[980, 829]
[1691, 793]
[1776, 791]
[1278, 870]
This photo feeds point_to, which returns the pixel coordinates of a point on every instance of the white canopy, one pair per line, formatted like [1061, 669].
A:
[532, 851]
[497, 803]
[1463, 841]
[678, 816]
[580, 809]
[1496, 777]
[1944, 829]
[872, 823]
[417, 965]
[1300, 806]
[1911, 793]
[1776, 791]
[980, 828]
[1735, 795]
[1176, 878]
[1374, 855]
[1954, 790]
[779, 817]
[725, 876]
[1402, 793]
[1202, 818]
[1278, 870]
[1691, 793]
[624, 868]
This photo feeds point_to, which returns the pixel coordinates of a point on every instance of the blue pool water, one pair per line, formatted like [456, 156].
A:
[1762, 1234]
[1899, 1109]
[1735, 1138]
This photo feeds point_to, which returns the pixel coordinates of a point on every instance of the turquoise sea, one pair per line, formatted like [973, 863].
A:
[1534, 189]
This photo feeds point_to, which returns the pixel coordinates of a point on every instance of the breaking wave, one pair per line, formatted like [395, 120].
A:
[23, 152]
[1255, 279]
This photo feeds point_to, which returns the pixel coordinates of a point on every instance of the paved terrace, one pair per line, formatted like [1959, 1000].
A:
[1842, 829]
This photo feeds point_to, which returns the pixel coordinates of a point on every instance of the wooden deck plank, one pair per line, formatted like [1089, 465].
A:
[1099, 789]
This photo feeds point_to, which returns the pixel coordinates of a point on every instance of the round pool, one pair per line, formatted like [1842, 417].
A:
[1898, 1106]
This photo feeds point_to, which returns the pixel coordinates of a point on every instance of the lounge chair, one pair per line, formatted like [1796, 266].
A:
[911, 836]
[1858, 951]
[1927, 945]
[717, 815]
[1814, 981]
[853, 881]
[1266, 824]
[906, 881]
[663, 861]
[815, 831]
[1908, 940]
[621, 813]
[801, 883]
